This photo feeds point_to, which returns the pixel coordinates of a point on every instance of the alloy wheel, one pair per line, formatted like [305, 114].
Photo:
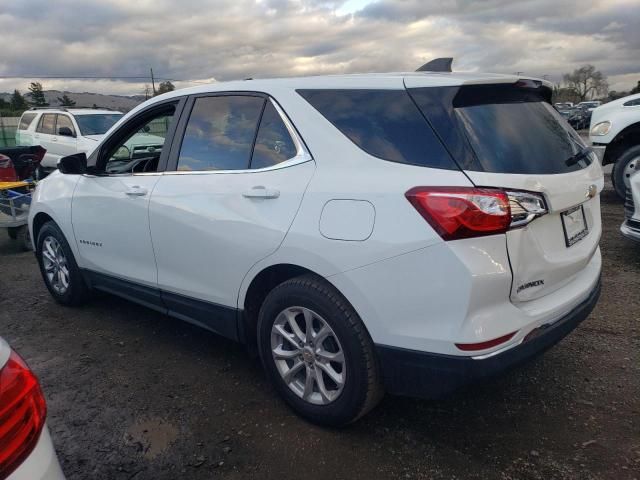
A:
[308, 355]
[55, 266]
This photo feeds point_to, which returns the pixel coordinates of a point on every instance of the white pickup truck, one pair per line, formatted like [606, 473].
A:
[615, 136]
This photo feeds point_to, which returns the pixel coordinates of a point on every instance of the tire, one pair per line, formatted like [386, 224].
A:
[629, 160]
[24, 238]
[77, 291]
[361, 389]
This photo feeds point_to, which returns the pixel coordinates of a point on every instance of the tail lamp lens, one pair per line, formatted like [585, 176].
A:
[462, 212]
[22, 414]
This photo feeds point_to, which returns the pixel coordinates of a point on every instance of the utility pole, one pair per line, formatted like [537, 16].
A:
[153, 83]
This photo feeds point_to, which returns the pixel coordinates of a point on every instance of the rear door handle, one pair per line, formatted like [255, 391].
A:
[136, 191]
[261, 192]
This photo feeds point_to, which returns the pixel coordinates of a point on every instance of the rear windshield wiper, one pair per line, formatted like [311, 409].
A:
[573, 159]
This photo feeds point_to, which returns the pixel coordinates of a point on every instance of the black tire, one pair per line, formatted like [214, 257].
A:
[24, 238]
[362, 388]
[618, 174]
[77, 292]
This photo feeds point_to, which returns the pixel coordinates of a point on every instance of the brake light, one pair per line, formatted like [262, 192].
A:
[22, 414]
[462, 212]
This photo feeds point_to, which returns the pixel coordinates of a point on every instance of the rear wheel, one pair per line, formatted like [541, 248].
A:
[59, 268]
[626, 164]
[317, 353]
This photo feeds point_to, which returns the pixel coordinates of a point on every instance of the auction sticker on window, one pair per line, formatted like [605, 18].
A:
[574, 224]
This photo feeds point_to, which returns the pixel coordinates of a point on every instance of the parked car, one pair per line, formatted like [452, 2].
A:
[26, 449]
[578, 118]
[64, 131]
[615, 136]
[630, 228]
[324, 222]
[590, 105]
[563, 105]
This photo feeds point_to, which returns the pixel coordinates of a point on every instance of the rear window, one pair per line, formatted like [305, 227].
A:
[383, 123]
[503, 129]
[26, 120]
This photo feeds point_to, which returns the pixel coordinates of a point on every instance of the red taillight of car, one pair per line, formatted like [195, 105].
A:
[462, 212]
[22, 414]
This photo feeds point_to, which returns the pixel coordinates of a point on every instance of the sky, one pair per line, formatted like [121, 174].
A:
[197, 41]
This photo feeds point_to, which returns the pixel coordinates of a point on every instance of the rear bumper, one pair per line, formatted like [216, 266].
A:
[420, 374]
[631, 229]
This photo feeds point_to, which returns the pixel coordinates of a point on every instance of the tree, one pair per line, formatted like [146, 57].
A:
[586, 82]
[165, 87]
[17, 102]
[635, 89]
[65, 101]
[37, 95]
[146, 91]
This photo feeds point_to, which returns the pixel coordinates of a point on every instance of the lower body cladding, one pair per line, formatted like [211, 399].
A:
[434, 314]
[631, 229]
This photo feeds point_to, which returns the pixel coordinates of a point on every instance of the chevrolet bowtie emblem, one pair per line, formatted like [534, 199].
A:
[591, 191]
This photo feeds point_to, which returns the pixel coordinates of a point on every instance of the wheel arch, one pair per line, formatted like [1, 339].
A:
[38, 221]
[626, 138]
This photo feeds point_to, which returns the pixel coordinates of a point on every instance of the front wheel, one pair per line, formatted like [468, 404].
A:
[626, 165]
[58, 266]
[317, 352]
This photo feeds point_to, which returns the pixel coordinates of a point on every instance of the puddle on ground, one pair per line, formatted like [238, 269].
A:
[153, 435]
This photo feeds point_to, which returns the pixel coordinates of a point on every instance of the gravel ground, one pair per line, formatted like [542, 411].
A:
[133, 394]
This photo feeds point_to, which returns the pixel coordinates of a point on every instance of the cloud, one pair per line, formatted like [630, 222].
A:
[228, 39]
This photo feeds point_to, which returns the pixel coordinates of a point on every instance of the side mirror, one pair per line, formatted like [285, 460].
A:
[73, 164]
[65, 132]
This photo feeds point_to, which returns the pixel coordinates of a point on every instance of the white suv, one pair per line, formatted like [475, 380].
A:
[63, 131]
[400, 232]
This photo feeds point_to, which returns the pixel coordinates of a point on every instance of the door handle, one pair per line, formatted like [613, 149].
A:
[261, 192]
[136, 191]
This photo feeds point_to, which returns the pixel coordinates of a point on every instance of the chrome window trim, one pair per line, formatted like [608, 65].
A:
[302, 154]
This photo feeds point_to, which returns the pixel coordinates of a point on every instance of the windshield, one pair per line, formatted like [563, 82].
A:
[97, 124]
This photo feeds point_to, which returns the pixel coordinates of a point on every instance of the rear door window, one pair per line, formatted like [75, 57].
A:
[47, 124]
[26, 120]
[274, 143]
[220, 133]
[384, 123]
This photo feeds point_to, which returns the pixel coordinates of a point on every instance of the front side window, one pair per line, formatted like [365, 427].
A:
[62, 122]
[140, 148]
[26, 120]
[274, 143]
[47, 124]
[96, 124]
[220, 133]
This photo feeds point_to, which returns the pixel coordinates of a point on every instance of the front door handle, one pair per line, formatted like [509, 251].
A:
[261, 192]
[136, 191]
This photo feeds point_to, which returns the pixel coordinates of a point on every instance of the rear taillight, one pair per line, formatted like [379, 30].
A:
[465, 212]
[22, 414]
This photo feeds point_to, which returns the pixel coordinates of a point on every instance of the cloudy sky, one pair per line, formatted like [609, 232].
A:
[193, 41]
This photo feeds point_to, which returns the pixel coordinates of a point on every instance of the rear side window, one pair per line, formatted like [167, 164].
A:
[26, 120]
[383, 123]
[632, 103]
[220, 133]
[273, 143]
[47, 124]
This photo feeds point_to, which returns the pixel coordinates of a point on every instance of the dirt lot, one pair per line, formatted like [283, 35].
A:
[133, 394]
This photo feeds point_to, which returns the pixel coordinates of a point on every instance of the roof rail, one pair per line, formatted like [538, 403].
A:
[66, 109]
[48, 108]
[437, 65]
